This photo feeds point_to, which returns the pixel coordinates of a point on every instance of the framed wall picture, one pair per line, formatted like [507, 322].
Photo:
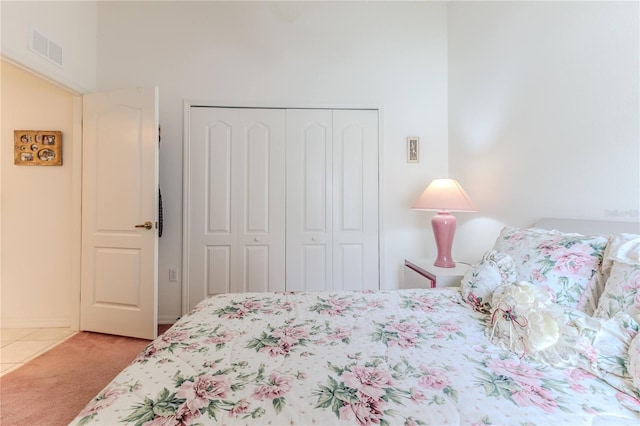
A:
[37, 147]
[413, 149]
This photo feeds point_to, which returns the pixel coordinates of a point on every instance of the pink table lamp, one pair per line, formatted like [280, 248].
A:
[444, 196]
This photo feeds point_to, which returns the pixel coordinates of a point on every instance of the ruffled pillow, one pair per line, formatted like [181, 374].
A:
[607, 344]
[622, 290]
[521, 320]
[613, 250]
[634, 361]
[566, 264]
[480, 281]
[621, 293]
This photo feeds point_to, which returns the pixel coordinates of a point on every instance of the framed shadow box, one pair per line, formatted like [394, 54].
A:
[37, 148]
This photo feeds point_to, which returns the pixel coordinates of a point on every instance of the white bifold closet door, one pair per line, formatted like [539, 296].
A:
[236, 201]
[281, 199]
[332, 200]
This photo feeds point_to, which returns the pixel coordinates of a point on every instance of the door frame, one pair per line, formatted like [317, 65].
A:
[189, 103]
[76, 215]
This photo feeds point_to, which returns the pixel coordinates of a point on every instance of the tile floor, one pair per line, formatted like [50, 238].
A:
[20, 345]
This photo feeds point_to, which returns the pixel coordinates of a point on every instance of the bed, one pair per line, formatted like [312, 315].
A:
[541, 331]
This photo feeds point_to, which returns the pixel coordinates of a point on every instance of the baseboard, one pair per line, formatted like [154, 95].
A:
[35, 322]
[167, 319]
[57, 322]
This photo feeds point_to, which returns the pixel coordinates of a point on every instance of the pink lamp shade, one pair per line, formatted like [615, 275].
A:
[444, 196]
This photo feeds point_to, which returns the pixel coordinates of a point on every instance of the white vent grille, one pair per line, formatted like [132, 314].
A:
[39, 43]
[43, 46]
[55, 53]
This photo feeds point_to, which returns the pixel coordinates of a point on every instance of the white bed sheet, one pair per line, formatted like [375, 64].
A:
[391, 357]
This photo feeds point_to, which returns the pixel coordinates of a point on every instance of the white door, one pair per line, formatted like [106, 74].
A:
[355, 200]
[332, 200]
[309, 199]
[120, 196]
[235, 201]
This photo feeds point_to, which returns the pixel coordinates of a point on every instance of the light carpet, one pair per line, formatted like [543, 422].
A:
[52, 389]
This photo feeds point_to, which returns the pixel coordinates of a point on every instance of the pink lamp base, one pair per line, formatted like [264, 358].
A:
[444, 228]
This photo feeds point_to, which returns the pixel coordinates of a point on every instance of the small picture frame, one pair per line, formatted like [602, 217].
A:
[413, 149]
[37, 147]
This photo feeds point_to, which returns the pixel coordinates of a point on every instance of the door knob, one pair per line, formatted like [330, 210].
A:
[146, 225]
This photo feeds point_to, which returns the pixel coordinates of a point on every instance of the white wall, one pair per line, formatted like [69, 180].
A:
[543, 113]
[392, 55]
[539, 100]
[70, 24]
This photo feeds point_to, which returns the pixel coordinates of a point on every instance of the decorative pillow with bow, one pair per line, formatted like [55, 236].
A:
[481, 280]
[521, 320]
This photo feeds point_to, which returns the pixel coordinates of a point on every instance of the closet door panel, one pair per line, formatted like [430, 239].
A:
[261, 198]
[217, 191]
[255, 269]
[349, 164]
[218, 269]
[314, 263]
[309, 199]
[257, 171]
[355, 199]
[236, 197]
[351, 263]
[210, 206]
[315, 150]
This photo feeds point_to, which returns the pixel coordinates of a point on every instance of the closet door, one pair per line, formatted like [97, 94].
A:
[332, 200]
[355, 200]
[236, 201]
[309, 199]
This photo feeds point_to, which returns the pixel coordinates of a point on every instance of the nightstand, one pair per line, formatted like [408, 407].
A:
[421, 273]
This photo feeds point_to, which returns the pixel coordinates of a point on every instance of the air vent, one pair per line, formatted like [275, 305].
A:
[43, 46]
[55, 53]
[39, 43]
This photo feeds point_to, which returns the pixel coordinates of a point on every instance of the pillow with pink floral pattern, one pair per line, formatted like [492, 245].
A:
[622, 290]
[564, 264]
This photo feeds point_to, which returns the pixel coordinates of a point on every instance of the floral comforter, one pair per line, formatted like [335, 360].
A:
[411, 357]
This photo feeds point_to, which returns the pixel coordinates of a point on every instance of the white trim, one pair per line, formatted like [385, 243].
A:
[381, 239]
[167, 319]
[189, 103]
[76, 215]
[273, 105]
[36, 323]
[21, 61]
[186, 122]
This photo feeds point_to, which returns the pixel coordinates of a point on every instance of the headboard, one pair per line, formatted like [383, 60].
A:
[589, 227]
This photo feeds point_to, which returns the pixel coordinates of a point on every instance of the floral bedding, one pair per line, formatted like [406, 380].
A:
[407, 357]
